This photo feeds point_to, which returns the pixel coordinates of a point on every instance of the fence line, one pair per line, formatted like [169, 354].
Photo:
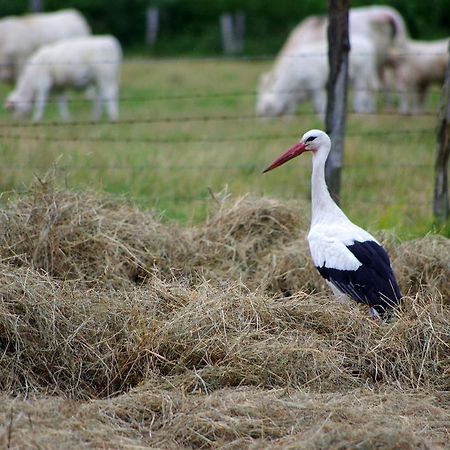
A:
[183, 119]
[252, 167]
[210, 95]
[207, 140]
[237, 58]
[207, 196]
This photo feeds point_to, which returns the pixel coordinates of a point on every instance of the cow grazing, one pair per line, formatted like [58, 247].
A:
[87, 62]
[419, 65]
[303, 75]
[374, 31]
[20, 36]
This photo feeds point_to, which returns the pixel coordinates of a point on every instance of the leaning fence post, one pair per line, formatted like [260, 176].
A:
[440, 200]
[338, 48]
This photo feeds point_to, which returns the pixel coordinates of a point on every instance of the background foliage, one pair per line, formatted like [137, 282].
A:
[192, 26]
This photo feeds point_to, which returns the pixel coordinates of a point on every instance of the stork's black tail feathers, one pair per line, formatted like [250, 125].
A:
[373, 283]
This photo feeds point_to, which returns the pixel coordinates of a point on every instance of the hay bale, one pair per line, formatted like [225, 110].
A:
[424, 265]
[243, 236]
[157, 416]
[224, 331]
[58, 337]
[91, 239]
[61, 338]
[227, 337]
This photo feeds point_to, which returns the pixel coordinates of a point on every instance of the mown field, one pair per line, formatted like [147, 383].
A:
[157, 291]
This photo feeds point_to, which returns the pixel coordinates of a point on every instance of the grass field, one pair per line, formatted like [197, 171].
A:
[194, 132]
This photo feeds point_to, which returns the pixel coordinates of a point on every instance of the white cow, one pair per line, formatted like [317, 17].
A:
[86, 62]
[384, 25]
[303, 75]
[374, 30]
[22, 35]
[418, 66]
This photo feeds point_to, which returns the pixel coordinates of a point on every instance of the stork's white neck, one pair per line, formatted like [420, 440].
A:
[324, 209]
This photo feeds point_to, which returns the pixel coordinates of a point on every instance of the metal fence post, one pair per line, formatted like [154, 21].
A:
[440, 199]
[338, 49]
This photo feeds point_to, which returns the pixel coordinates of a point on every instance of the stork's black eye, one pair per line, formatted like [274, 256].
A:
[311, 138]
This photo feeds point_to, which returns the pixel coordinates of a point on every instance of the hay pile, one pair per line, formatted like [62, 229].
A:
[78, 236]
[215, 335]
[158, 416]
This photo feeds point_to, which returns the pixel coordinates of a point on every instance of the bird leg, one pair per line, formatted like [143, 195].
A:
[374, 315]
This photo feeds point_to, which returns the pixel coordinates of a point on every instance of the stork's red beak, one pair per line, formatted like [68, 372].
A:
[294, 151]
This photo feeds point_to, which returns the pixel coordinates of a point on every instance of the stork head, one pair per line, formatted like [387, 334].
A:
[314, 141]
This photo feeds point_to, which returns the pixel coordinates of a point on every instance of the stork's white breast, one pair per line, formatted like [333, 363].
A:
[328, 244]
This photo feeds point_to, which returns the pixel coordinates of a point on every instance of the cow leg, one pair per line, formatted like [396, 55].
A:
[320, 101]
[63, 107]
[109, 97]
[97, 104]
[40, 103]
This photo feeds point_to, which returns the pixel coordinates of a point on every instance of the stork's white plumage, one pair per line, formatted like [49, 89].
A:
[351, 260]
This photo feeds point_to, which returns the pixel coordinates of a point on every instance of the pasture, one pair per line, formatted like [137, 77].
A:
[157, 290]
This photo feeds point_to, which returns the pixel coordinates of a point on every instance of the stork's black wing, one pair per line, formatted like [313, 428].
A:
[373, 283]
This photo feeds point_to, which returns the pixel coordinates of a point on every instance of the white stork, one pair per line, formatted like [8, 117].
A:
[351, 260]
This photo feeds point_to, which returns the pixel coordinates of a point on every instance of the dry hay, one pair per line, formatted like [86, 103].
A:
[424, 264]
[157, 416]
[85, 343]
[82, 236]
[214, 335]
[259, 242]
[256, 241]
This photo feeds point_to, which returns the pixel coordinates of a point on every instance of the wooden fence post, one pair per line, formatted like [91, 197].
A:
[233, 29]
[338, 49]
[36, 5]
[152, 25]
[440, 199]
[239, 31]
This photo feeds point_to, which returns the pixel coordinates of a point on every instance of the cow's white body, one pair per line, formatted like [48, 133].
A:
[302, 64]
[303, 75]
[20, 36]
[419, 65]
[87, 62]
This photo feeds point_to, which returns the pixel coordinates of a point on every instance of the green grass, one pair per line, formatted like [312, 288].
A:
[387, 181]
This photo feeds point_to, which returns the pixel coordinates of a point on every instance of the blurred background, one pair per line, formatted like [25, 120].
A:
[191, 27]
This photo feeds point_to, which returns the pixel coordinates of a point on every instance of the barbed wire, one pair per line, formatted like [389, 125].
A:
[206, 197]
[262, 57]
[250, 167]
[206, 140]
[218, 95]
[184, 119]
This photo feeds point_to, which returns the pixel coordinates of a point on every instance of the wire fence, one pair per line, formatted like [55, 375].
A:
[189, 118]
[195, 140]
[303, 54]
[79, 131]
[226, 94]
